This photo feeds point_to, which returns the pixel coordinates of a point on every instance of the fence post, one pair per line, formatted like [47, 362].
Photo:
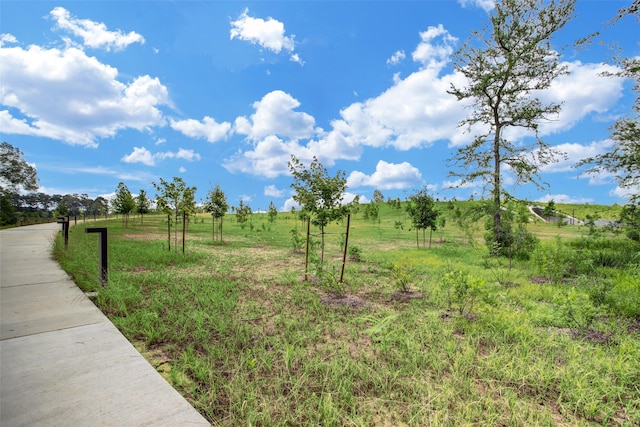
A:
[65, 229]
[102, 251]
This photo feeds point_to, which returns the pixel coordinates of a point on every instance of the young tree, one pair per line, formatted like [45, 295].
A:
[175, 198]
[549, 210]
[242, 213]
[123, 203]
[319, 194]
[378, 197]
[217, 206]
[143, 205]
[421, 209]
[273, 212]
[505, 65]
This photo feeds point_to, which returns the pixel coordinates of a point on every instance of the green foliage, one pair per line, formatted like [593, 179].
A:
[143, 204]
[243, 212]
[330, 279]
[378, 197]
[577, 309]
[7, 210]
[273, 212]
[464, 290]
[15, 172]
[297, 241]
[624, 296]
[317, 192]
[421, 209]
[123, 203]
[402, 276]
[216, 203]
[355, 253]
[175, 197]
[371, 211]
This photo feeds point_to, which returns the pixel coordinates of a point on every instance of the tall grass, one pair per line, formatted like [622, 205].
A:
[249, 343]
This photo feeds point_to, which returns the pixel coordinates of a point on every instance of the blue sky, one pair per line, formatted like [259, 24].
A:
[223, 92]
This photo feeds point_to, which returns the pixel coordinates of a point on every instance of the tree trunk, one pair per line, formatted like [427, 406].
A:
[497, 215]
[430, 236]
[306, 260]
[184, 229]
[169, 231]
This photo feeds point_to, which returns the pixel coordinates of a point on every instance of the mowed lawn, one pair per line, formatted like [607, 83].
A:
[233, 326]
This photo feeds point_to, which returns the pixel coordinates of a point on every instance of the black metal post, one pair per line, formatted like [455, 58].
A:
[65, 229]
[102, 251]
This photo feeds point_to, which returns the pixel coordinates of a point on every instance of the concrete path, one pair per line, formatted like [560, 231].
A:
[62, 362]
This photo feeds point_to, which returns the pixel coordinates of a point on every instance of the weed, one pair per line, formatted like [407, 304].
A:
[402, 276]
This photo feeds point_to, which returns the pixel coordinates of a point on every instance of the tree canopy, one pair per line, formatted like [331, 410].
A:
[123, 203]
[421, 209]
[317, 192]
[15, 171]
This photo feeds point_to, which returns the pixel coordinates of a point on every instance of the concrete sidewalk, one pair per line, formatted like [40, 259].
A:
[62, 362]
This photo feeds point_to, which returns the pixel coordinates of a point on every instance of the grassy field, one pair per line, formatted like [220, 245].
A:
[554, 340]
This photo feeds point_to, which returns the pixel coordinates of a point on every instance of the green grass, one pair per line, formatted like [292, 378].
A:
[236, 331]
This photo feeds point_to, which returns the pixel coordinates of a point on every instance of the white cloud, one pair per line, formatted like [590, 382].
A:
[69, 96]
[94, 34]
[269, 158]
[140, 155]
[275, 115]
[624, 193]
[396, 58]
[208, 128]
[574, 153]
[582, 92]
[144, 156]
[182, 169]
[7, 38]
[433, 54]
[563, 198]
[486, 5]
[290, 203]
[273, 191]
[387, 176]
[269, 34]
[415, 112]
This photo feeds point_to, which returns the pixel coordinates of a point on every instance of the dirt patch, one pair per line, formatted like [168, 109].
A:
[143, 236]
[634, 327]
[540, 280]
[590, 335]
[349, 301]
[406, 296]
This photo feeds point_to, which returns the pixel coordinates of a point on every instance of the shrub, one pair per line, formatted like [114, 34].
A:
[355, 253]
[463, 290]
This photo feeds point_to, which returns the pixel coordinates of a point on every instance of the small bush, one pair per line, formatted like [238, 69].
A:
[355, 253]
[463, 290]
